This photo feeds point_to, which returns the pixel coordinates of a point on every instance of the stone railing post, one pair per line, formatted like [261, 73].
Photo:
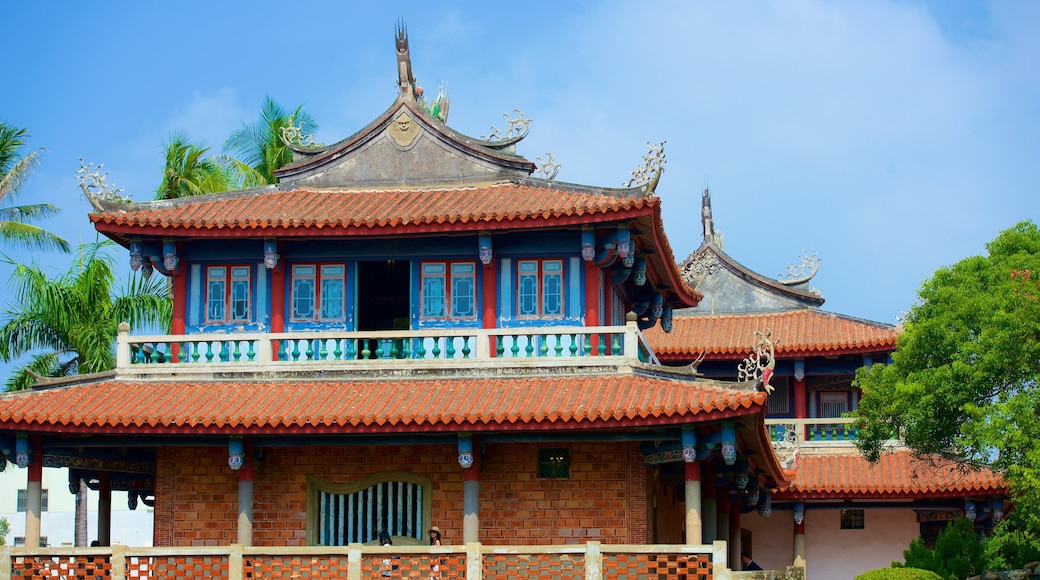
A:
[5, 562]
[118, 562]
[235, 562]
[354, 562]
[593, 561]
[631, 344]
[474, 561]
[123, 346]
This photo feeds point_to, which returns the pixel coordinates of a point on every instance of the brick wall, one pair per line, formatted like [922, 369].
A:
[604, 499]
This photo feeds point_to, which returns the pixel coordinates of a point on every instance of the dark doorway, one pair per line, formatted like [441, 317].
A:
[383, 296]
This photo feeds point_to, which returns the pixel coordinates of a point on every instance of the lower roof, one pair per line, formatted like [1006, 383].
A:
[897, 475]
[388, 405]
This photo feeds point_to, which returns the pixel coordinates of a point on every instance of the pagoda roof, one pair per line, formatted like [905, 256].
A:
[898, 474]
[110, 405]
[798, 333]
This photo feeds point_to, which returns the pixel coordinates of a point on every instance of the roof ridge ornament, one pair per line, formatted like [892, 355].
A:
[405, 78]
[801, 273]
[294, 138]
[648, 173]
[759, 365]
[710, 234]
[95, 188]
[518, 128]
[549, 168]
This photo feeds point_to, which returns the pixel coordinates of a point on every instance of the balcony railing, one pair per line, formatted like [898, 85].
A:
[819, 432]
[545, 346]
[472, 561]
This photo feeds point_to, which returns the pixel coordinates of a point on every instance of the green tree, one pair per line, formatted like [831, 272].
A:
[16, 221]
[68, 324]
[187, 171]
[256, 149]
[5, 528]
[957, 553]
[963, 383]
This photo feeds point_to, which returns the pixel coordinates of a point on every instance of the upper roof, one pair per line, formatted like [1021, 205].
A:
[356, 406]
[797, 332]
[729, 287]
[898, 474]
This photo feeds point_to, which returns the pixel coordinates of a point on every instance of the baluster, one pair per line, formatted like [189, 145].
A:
[500, 346]
[465, 347]
[296, 350]
[251, 353]
[574, 345]
[422, 348]
[515, 349]
[366, 353]
[543, 345]
[225, 354]
[406, 348]
[559, 345]
[323, 352]
[195, 354]
[587, 346]
[337, 353]
[449, 347]
[209, 351]
[394, 351]
[436, 347]
[309, 353]
[601, 345]
[615, 347]
[351, 348]
[282, 354]
[529, 349]
[237, 355]
[379, 348]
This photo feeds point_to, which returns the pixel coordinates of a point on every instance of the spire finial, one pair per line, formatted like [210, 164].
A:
[405, 79]
[709, 228]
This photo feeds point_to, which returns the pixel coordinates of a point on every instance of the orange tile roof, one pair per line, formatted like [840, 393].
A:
[898, 474]
[799, 332]
[358, 406]
[355, 212]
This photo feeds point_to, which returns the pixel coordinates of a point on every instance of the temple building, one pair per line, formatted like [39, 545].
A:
[418, 329]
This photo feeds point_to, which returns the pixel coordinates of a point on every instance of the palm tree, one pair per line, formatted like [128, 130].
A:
[257, 150]
[68, 324]
[16, 221]
[187, 171]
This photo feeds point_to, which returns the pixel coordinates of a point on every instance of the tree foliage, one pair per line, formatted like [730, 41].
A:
[899, 574]
[187, 171]
[17, 222]
[68, 324]
[963, 383]
[256, 150]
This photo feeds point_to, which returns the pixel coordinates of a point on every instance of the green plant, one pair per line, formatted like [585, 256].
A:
[899, 574]
[1012, 550]
[957, 553]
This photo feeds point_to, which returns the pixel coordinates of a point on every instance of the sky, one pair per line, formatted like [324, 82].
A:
[889, 138]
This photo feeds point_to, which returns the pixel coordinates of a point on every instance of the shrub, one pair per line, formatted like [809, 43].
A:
[899, 574]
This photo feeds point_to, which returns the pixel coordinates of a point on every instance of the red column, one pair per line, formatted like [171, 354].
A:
[104, 517]
[180, 309]
[593, 294]
[278, 305]
[489, 297]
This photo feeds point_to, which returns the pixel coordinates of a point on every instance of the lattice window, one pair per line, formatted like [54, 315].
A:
[22, 501]
[554, 463]
[834, 404]
[780, 398]
[852, 520]
[341, 514]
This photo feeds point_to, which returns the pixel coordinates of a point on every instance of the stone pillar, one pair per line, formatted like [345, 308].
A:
[799, 542]
[104, 522]
[709, 525]
[592, 300]
[180, 310]
[245, 496]
[489, 310]
[694, 528]
[471, 503]
[734, 532]
[278, 304]
[34, 496]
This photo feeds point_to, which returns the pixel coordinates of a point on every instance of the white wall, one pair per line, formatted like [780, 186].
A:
[831, 552]
[58, 523]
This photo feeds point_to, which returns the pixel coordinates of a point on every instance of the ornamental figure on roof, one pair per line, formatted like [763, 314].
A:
[759, 365]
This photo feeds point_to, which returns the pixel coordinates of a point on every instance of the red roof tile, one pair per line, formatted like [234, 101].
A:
[352, 212]
[373, 405]
[898, 474]
[799, 332]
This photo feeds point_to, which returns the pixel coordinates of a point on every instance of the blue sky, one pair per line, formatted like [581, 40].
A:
[889, 137]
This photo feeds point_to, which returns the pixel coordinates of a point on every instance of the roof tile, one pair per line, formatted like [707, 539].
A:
[369, 405]
[798, 332]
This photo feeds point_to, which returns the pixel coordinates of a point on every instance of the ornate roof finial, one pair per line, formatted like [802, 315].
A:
[801, 273]
[405, 79]
[710, 235]
[648, 173]
[94, 187]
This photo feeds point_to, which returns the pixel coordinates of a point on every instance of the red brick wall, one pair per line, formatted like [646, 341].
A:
[604, 499]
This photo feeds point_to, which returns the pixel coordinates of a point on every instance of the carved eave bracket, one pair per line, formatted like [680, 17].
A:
[801, 273]
[759, 365]
[102, 196]
[648, 173]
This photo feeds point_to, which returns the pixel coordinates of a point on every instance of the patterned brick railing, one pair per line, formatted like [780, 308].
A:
[548, 346]
[590, 561]
[793, 433]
